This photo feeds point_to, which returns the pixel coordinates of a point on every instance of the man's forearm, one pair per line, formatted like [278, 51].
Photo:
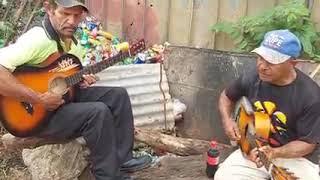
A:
[293, 149]
[225, 107]
[10, 86]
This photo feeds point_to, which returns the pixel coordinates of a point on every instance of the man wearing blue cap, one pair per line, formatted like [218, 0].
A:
[294, 143]
[101, 115]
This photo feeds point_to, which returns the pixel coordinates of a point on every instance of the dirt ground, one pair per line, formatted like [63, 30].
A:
[168, 167]
[11, 165]
[175, 168]
[179, 168]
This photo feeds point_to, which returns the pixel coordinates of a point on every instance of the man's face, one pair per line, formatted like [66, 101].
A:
[272, 73]
[65, 20]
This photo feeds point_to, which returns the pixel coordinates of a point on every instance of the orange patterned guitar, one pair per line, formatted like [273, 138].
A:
[24, 119]
[254, 126]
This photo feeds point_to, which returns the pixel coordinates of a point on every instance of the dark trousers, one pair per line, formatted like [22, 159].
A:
[103, 116]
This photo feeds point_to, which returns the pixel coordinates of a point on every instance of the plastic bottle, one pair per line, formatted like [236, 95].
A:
[212, 159]
[124, 46]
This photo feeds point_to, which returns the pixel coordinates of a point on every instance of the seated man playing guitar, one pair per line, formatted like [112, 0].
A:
[102, 115]
[295, 117]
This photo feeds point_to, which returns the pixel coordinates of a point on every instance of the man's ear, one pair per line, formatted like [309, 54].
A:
[48, 7]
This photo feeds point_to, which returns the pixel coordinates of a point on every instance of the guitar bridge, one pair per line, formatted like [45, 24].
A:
[28, 107]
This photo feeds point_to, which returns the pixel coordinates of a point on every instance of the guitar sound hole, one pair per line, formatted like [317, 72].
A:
[28, 107]
[58, 86]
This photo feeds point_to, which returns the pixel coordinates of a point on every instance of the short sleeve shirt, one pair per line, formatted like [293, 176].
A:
[32, 48]
[296, 114]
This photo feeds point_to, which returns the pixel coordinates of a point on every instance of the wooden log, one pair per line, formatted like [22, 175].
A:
[155, 139]
[172, 144]
[314, 72]
[12, 143]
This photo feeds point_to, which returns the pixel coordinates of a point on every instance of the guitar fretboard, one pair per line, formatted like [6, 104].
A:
[93, 69]
[252, 139]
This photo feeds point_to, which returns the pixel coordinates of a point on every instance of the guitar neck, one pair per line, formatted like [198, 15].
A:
[93, 69]
[253, 143]
[264, 159]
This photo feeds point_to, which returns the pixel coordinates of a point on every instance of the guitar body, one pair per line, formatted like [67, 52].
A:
[244, 116]
[259, 121]
[254, 127]
[59, 74]
[24, 119]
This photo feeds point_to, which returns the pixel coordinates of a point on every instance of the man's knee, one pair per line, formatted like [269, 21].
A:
[221, 173]
[99, 107]
[100, 111]
[120, 95]
[120, 92]
[228, 173]
[99, 118]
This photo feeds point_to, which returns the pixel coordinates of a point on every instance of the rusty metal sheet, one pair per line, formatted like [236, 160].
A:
[133, 20]
[156, 21]
[113, 17]
[97, 8]
[181, 22]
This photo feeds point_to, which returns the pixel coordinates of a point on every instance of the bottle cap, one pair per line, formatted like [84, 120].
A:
[213, 144]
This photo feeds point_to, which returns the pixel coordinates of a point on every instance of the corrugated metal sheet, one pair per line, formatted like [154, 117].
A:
[180, 22]
[142, 83]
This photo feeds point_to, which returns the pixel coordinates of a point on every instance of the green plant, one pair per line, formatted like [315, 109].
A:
[248, 32]
[6, 30]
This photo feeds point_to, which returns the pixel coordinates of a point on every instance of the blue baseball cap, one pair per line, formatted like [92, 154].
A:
[279, 46]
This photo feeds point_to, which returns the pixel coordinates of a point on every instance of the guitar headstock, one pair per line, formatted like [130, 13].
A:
[137, 47]
[280, 173]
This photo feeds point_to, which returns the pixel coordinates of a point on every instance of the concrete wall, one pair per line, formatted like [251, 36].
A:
[197, 77]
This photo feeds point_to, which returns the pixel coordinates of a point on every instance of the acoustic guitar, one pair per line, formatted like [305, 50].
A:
[254, 127]
[60, 77]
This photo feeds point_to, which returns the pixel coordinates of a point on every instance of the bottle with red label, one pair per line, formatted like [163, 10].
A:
[212, 159]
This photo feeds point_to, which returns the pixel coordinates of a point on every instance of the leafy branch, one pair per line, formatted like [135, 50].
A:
[248, 32]
[16, 17]
[6, 30]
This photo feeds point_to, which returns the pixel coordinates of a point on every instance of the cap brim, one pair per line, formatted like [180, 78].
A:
[271, 55]
[69, 4]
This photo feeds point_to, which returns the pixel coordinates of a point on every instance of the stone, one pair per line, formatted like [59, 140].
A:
[56, 161]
